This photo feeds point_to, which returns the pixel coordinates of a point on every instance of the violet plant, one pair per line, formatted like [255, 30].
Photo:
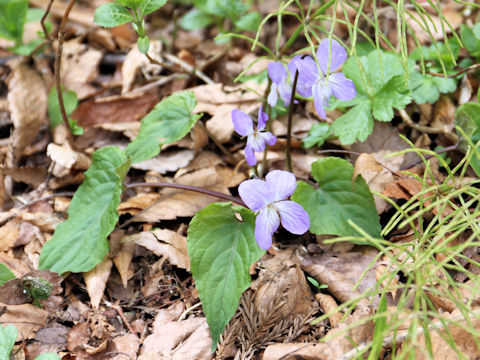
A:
[257, 139]
[223, 239]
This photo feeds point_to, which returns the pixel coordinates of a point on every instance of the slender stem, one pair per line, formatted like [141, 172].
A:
[288, 155]
[269, 113]
[190, 188]
[42, 21]
[470, 68]
[439, 151]
[58, 58]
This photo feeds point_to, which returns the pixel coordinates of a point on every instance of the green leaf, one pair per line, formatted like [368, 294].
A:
[221, 250]
[476, 30]
[196, 19]
[70, 102]
[5, 274]
[80, 243]
[249, 22]
[26, 49]
[149, 6]
[143, 44]
[355, 124]
[8, 335]
[34, 15]
[111, 14]
[471, 42]
[132, 4]
[427, 88]
[317, 135]
[467, 117]
[169, 121]
[380, 329]
[224, 8]
[393, 94]
[13, 14]
[338, 199]
[48, 356]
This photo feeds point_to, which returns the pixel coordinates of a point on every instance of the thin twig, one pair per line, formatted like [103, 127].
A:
[119, 310]
[439, 151]
[58, 57]
[42, 21]
[470, 68]
[189, 188]
[186, 66]
[288, 155]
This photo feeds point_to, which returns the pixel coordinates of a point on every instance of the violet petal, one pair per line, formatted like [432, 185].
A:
[283, 184]
[268, 137]
[262, 119]
[308, 74]
[256, 142]
[293, 216]
[277, 72]
[342, 88]
[242, 123]
[266, 223]
[272, 95]
[319, 99]
[250, 155]
[255, 194]
[336, 56]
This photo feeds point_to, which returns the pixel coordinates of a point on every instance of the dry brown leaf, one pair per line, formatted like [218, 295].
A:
[122, 261]
[377, 174]
[66, 159]
[9, 234]
[27, 318]
[93, 112]
[137, 203]
[18, 267]
[174, 203]
[220, 124]
[281, 277]
[129, 129]
[79, 66]
[202, 160]
[328, 305]
[167, 161]
[126, 345]
[180, 340]
[164, 242]
[464, 340]
[153, 278]
[96, 280]
[444, 114]
[27, 103]
[29, 175]
[135, 61]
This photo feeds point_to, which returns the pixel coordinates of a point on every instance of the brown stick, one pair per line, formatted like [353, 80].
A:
[58, 58]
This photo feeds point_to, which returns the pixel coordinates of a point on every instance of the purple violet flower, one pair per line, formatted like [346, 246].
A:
[281, 81]
[321, 83]
[256, 138]
[268, 198]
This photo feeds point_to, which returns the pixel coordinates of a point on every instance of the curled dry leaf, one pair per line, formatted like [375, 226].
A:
[66, 159]
[29, 175]
[178, 340]
[27, 103]
[126, 345]
[123, 259]
[27, 318]
[79, 66]
[9, 234]
[281, 277]
[164, 242]
[135, 62]
[328, 305]
[96, 280]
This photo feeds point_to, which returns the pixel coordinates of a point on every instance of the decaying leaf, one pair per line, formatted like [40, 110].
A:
[96, 280]
[167, 161]
[164, 242]
[27, 318]
[27, 103]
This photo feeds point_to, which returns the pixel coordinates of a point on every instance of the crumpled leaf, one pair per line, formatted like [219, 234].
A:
[96, 280]
[27, 103]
